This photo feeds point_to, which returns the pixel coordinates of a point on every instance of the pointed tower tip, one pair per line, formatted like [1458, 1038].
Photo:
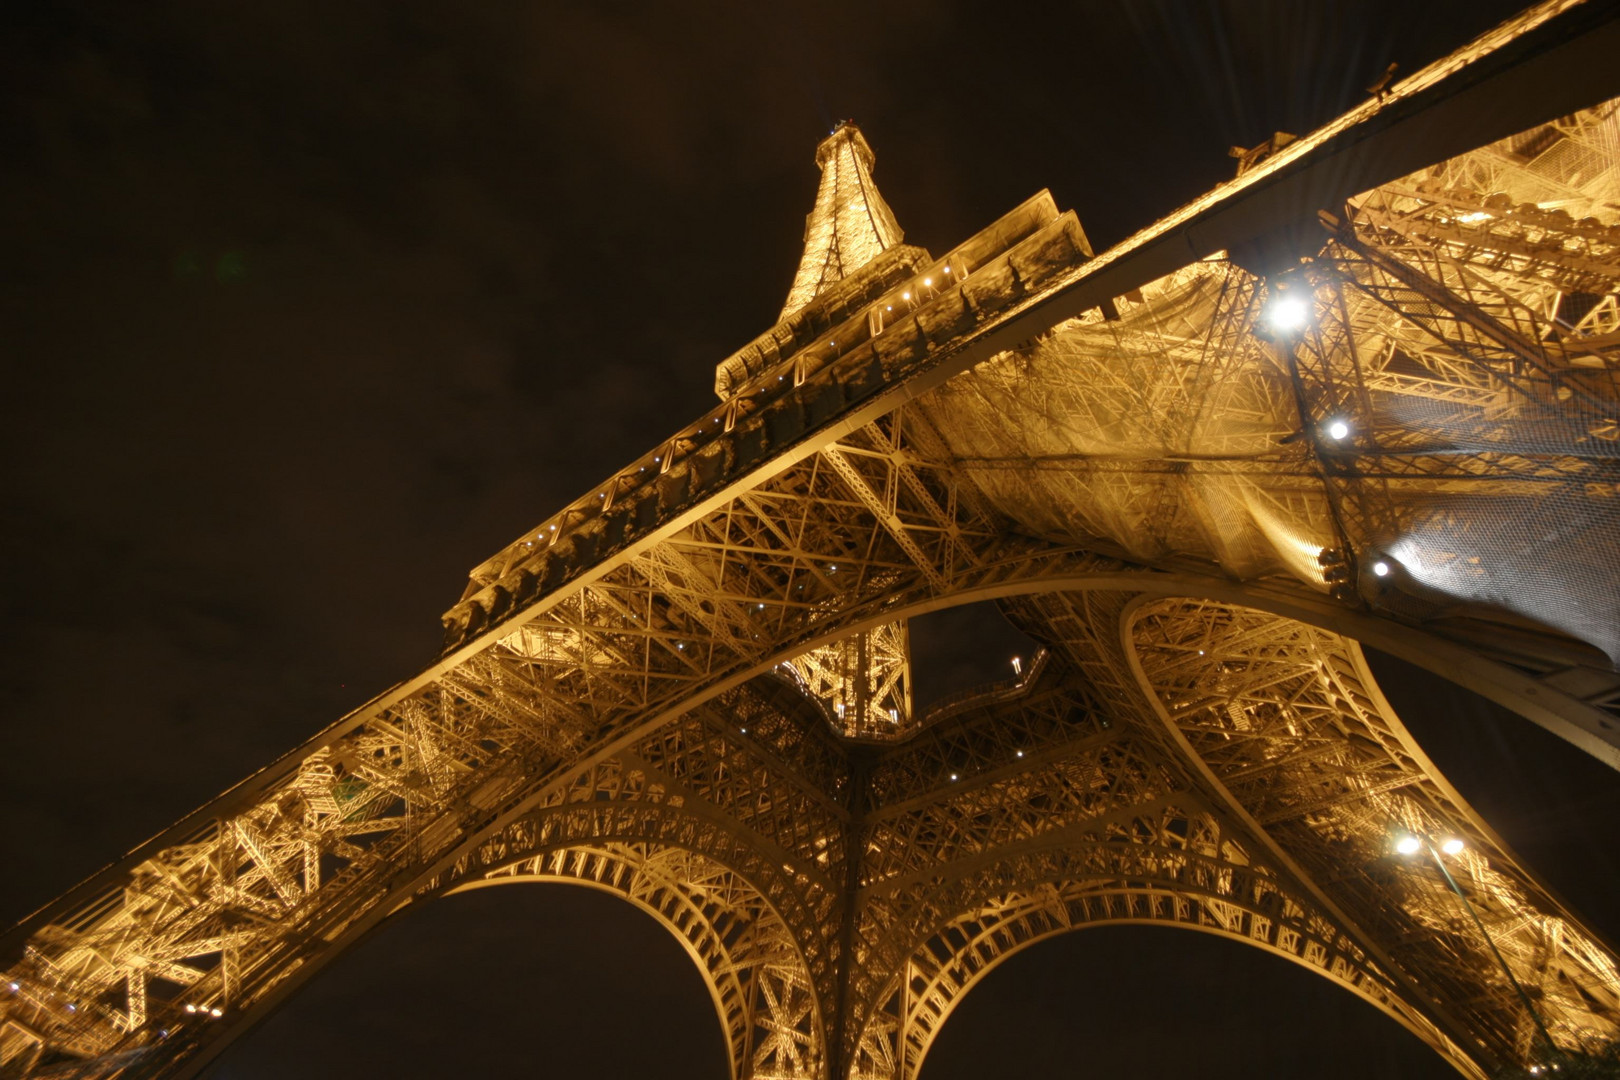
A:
[850, 224]
[845, 131]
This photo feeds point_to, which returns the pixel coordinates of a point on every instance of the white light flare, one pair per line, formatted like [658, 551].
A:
[1288, 313]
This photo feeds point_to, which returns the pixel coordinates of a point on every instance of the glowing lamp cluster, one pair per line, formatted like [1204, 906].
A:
[1409, 844]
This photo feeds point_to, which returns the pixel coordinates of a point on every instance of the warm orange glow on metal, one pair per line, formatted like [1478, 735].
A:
[850, 225]
[691, 686]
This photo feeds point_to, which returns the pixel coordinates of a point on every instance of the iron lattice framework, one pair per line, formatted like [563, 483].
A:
[690, 688]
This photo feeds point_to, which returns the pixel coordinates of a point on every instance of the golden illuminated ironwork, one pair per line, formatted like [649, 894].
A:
[1199, 479]
[850, 224]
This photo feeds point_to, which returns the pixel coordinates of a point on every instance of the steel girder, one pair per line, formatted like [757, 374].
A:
[1204, 749]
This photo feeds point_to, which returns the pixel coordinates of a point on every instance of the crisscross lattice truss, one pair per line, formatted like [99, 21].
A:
[690, 687]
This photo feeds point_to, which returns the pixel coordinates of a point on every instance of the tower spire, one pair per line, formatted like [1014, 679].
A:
[850, 225]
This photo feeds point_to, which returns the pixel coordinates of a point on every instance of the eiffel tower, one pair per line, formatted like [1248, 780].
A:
[1366, 392]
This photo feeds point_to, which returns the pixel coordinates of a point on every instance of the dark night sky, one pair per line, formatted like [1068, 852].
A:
[311, 306]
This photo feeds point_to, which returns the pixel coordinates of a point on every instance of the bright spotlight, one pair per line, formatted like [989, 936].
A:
[1288, 312]
[1381, 568]
[1337, 429]
[1408, 845]
[1453, 846]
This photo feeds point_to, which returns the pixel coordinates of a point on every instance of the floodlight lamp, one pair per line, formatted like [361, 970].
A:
[1381, 568]
[1288, 312]
[1337, 429]
[1452, 846]
[1408, 845]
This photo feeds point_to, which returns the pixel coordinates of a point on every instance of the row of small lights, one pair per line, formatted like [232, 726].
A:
[1338, 430]
[216, 1012]
[1409, 844]
[956, 776]
[832, 344]
[928, 282]
[1288, 313]
[15, 987]
[894, 713]
[1018, 667]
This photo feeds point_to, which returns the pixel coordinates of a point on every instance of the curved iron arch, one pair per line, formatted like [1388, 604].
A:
[1296, 687]
[703, 884]
[920, 1003]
